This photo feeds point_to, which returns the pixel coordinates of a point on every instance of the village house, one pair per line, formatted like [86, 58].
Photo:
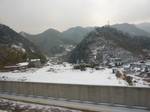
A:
[35, 63]
[19, 66]
[147, 66]
[114, 62]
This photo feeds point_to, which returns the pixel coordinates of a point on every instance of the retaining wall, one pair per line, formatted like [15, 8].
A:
[129, 96]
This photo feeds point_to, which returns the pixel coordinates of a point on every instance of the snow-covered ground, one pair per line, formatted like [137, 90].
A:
[16, 106]
[64, 73]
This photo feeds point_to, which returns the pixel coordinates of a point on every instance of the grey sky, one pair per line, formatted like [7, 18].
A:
[35, 16]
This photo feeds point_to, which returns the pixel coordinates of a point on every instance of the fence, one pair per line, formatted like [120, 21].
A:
[129, 96]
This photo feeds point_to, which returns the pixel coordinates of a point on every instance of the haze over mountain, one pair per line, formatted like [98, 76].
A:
[131, 29]
[105, 42]
[14, 48]
[88, 44]
[145, 26]
[49, 41]
[76, 34]
[53, 42]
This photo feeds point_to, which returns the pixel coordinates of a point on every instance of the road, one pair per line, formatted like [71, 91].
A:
[85, 106]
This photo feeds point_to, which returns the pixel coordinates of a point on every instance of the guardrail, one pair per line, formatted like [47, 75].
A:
[128, 96]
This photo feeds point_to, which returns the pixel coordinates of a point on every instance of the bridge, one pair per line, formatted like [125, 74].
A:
[77, 96]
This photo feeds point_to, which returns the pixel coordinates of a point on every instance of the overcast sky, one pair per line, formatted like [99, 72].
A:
[35, 16]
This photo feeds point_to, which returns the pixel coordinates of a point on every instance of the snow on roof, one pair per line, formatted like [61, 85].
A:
[17, 65]
[34, 60]
[136, 63]
[22, 64]
[147, 63]
[13, 66]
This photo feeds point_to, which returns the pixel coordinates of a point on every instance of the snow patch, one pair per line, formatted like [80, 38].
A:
[23, 64]
[18, 47]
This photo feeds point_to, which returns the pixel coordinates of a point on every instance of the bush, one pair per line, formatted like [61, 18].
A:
[10, 56]
[83, 66]
[129, 80]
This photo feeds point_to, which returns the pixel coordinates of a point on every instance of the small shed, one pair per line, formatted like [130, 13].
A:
[115, 61]
[35, 63]
[19, 66]
[147, 66]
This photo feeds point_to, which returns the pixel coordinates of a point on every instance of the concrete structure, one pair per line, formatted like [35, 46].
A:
[115, 62]
[75, 105]
[35, 63]
[113, 95]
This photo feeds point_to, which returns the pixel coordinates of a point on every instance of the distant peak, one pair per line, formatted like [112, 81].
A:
[22, 32]
[51, 29]
[124, 24]
[144, 23]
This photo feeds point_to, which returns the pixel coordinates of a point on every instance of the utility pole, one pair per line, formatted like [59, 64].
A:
[108, 23]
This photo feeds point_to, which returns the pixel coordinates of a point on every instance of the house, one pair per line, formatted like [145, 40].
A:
[147, 66]
[141, 67]
[35, 63]
[137, 67]
[22, 64]
[19, 66]
[10, 68]
[115, 62]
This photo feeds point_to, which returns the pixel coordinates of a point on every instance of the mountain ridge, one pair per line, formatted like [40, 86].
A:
[131, 29]
[53, 42]
[105, 43]
[145, 26]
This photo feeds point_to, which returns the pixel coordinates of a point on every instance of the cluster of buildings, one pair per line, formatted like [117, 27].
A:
[139, 68]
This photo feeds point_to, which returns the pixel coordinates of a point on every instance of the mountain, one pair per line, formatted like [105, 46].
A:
[76, 34]
[144, 26]
[14, 48]
[106, 42]
[131, 29]
[53, 42]
[49, 41]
